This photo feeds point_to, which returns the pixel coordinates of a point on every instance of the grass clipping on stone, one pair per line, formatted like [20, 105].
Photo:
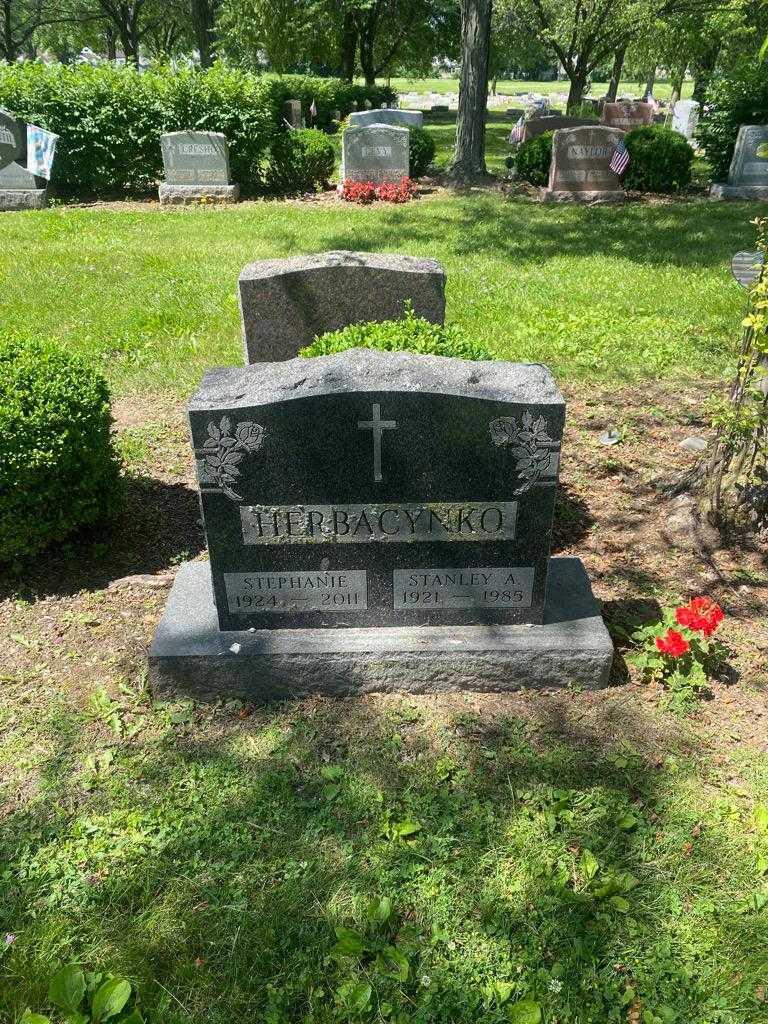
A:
[410, 333]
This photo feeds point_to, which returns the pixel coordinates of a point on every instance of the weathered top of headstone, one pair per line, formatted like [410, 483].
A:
[195, 158]
[396, 116]
[627, 115]
[375, 489]
[536, 126]
[749, 165]
[377, 153]
[13, 138]
[285, 303]
[581, 160]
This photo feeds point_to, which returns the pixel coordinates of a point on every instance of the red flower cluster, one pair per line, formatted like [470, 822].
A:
[389, 192]
[673, 643]
[700, 614]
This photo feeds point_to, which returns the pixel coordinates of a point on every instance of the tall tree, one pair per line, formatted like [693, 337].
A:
[22, 20]
[203, 15]
[468, 165]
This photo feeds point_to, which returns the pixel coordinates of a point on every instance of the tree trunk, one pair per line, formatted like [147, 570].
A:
[9, 51]
[676, 81]
[578, 87]
[468, 164]
[348, 46]
[111, 43]
[649, 83]
[613, 85]
[704, 72]
[366, 55]
[203, 15]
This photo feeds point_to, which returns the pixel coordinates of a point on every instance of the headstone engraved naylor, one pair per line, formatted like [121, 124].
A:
[292, 113]
[387, 115]
[196, 166]
[19, 189]
[580, 168]
[378, 521]
[536, 126]
[748, 174]
[628, 115]
[285, 303]
[685, 117]
[377, 153]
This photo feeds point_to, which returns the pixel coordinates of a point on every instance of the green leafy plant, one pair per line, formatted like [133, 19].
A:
[740, 97]
[533, 159]
[409, 334]
[88, 998]
[660, 160]
[421, 151]
[300, 161]
[58, 468]
[680, 651]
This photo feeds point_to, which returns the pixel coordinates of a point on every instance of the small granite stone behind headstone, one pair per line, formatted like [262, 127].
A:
[292, 113]
[748, 174]
[580, 168]
[196, 167]
[406, 118]
[284, 304]
[377, 153]
[536, 126]
[378, 521]
[440, 108]
[627, 115]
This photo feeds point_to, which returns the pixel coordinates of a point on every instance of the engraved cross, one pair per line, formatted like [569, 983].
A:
[378, 426]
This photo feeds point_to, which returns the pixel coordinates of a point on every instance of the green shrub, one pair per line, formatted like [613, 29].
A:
[740, 98]
[659, 160]
[421, 151]
[300, 161]
[58, 469]
[409, 334]
[110, 119]
[534, 158]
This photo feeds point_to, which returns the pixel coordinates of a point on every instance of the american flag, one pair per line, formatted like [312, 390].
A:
[620, 159]
[516, 135]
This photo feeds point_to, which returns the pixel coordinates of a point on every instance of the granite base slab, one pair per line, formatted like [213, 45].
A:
[191, 657]
[182, 195]
[739, 192]
[549, 195]
[23, 198]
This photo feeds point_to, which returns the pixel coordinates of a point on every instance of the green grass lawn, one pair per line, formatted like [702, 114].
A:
[640, 291]
[424, 86]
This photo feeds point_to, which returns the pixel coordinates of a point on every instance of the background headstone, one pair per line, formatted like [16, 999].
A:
[685, 117]
[292, 113]
[627, 115]
[378, 521]
[377, 153]
[396, 116]
[580, 168]
[196, 165]
[284, 304]
[748, 174]
[536, 126]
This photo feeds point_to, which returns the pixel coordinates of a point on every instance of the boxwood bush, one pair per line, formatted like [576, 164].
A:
[58, 469]
[421, 151]
[740, 98]
[659, 160]
[110, 119]
[300, 161]
[533, 159]
[411, 333]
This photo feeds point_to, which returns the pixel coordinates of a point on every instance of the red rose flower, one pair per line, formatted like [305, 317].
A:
[673, 643]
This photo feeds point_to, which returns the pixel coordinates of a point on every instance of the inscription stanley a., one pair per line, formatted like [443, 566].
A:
[356, 524]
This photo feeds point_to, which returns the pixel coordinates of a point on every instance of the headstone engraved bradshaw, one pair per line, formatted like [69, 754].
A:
[378, 521]
[685, 117]
[406, 118]
[196, 167]
[748, 174]
[628, 115]
[292, 113]
[285, 303]
[580, 168]
[19, 188]
[377, 153]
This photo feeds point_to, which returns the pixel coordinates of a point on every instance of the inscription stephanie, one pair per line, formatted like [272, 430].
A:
[358, 524]
[425, 589]
[250, 593]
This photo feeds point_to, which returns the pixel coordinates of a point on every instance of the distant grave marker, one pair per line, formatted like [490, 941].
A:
[748, 174]
[196, 166]
[377, 153]
[580, 168]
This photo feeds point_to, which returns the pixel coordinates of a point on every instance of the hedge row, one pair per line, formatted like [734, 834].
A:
[110, 119]
[741, 98]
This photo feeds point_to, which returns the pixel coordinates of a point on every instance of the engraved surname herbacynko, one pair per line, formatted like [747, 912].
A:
[377, 425]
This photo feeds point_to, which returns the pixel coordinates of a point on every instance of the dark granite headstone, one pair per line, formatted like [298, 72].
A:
[19, 189]
[196, 166]
[536, 126]
[748, 174]
[284, 304]
[376, 489]
[580, 168]
[377, 153]
[627, 115]
[292, 113]
[13, 138]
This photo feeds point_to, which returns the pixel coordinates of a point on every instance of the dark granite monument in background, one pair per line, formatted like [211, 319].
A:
[628, 115]
[20, 189]
[378, 521]
[196, 166]
[377, 153]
